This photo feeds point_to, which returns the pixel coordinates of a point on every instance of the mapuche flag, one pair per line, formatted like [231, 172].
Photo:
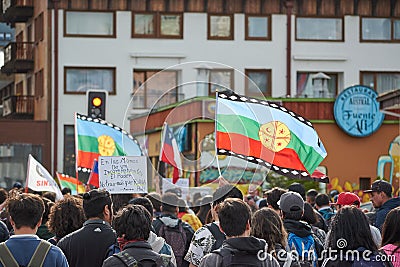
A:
[72, 183]
[169, 152]
[96, 137]
[267, 134]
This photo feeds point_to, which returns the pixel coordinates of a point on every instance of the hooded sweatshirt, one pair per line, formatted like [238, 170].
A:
[251, 245]
[384, 210]
[159, 245]
[299, 228]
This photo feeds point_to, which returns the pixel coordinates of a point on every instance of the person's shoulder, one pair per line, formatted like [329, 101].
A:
[203, 231]
[112, 261]
[211, 260]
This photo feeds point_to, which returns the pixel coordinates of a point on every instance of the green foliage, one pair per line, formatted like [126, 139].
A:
[276, 180]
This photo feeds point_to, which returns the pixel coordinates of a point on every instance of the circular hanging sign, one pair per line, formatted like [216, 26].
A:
[356, 111]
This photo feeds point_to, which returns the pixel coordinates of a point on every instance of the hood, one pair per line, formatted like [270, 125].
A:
[299, 228]
[170, 221]
[156, 242]
[391, 203]
[249, 244]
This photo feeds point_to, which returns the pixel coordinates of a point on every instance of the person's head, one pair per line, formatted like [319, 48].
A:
[182, 205]
[224, 192]
[309, 215]
[310, 196]
[266, 224]
[170, 203]
[273, 195]
[380, 192]
[322, 200]
[390, 228]
[205, 207]
[47, 206]
[17, 185]
[50, 196]
[143, 201]
[3, 195]
[234, 217]
[347, 199]
[97, 204]
[155, 199]
[66, 191]
[120, 200]
[299, 188]
[66, 216]
[292, 205]
[25, 210]
[350, 224]
[133, 222]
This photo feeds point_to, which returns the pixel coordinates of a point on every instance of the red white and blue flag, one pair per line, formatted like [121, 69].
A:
[169, 152]
[94, 175]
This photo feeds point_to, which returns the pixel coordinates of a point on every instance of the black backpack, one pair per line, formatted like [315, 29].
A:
[237, 258]
[218, 235]
[177, 239]
[130, 261]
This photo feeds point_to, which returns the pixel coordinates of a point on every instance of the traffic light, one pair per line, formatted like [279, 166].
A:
[97, 104]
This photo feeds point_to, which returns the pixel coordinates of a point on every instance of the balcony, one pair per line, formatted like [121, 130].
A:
[18, 107]
[18, 58]
[17, 10]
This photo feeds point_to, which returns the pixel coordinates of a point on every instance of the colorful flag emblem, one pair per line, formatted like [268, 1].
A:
[71, 183]
[39, 179]
[94, 175]
[96, 137]
[268, 134]
[169, 152]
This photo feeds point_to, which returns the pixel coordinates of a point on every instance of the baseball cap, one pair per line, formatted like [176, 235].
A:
[347, 199]
[380, 186]
[291, 201]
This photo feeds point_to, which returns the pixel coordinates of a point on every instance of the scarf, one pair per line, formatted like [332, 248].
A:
[123, 242]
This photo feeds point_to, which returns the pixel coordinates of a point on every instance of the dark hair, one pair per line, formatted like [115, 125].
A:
[3, 195]
[296, 214]
[120, 200]
[351, 224]
[390, 228]
[299, 188]
[182, 205]
[309, 215]
[224, 192]
[143, 201]
[94, 202]
[134, 222]
[169, 202]
[322, 200]
[66, 216]
[50, 196]
[155, 199]
[273, 196]
[266, 224]
[234, 214]
[204, 209]
[66, 191]
[47, 206]
[25, 209]
[312, 193]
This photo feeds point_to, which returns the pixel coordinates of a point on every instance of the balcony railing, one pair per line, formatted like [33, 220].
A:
[17, 10]
[18, 58]
[18, 107]
[152, 100]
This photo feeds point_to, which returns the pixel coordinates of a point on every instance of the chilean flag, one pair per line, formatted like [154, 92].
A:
[169, 152]
[94, 175]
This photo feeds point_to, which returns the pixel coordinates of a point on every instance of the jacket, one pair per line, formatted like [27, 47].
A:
[159, 245]
[299, 228]
[384, 210]
[250, 245]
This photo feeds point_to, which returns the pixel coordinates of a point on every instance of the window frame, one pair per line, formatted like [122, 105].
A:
[327, 73]
[392, 40]
[66, 68]
[114, 35]
[232, 27]
[375, 73]
[39, 84]
[232, 79]
[269, 28]
[157, 25]
[319, 40]
[268, 73]
[38, 28]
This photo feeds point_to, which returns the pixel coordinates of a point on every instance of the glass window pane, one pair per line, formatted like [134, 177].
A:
[375, 29]
[144, 24]
[257, 82]
[221, 80]
[89, 23]
[313, 85]
[220, 26]
[69, 150]
[319, 29]
[81, 80]
[258, 26]
[171, 25]
[368, 80]
[386, 82]
[396, 29]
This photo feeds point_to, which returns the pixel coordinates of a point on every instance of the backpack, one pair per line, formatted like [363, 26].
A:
[304, 246]
[217, 234]
[130, 261]
[111, 250]
[176, 237]
[37, 260]
[237, 258]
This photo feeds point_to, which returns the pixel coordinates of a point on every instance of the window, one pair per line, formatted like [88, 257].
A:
[220, 79]
[317, 85]
[381, 82]
[77, 80]
[29, 86]
[380, 29]
[154, 88]
[69, 150]
[220, 27]
[19, 88]
[39, 84]
[258, 82]
[89, 24]
[39, 27]
[157, 25]
[258, 28]
[319, 29]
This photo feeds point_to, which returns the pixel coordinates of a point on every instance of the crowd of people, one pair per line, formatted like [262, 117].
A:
[286, 227]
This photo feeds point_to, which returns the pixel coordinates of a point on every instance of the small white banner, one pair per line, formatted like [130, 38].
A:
[120, 175]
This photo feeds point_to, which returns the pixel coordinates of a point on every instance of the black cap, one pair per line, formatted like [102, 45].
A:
[380, 186]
